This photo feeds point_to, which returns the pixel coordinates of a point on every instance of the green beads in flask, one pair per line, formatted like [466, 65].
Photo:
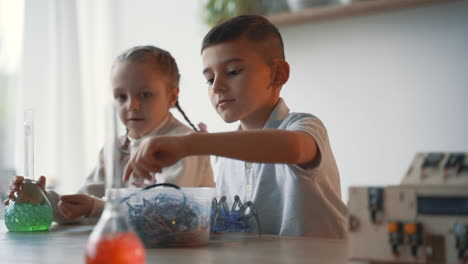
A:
[31, 210]
[33, 213]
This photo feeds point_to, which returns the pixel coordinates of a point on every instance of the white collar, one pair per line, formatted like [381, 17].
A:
[279, 113]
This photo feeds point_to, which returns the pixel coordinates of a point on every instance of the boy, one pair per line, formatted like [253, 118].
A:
[280, 161]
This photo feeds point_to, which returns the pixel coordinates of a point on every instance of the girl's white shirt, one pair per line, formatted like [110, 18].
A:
[192, 171]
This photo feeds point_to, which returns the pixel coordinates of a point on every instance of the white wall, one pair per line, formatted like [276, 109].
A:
[386, 85]
[177, 27]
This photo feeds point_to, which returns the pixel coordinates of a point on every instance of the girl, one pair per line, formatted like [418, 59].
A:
[145, 84]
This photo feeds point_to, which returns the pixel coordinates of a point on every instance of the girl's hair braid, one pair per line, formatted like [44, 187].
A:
[162, 60]
[185, 116]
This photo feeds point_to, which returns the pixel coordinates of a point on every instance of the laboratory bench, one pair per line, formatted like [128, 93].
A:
[66, 244]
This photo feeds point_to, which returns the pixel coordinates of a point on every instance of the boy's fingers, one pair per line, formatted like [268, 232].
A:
[138, 184]
[142, 173]
[140, 167]
[148, 166]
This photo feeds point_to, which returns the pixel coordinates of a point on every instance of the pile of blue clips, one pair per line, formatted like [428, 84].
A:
[167, 220]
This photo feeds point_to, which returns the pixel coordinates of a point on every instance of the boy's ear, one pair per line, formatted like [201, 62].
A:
[280, 72]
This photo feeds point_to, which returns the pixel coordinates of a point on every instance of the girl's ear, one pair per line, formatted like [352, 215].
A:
[174, 96]
[280, 72]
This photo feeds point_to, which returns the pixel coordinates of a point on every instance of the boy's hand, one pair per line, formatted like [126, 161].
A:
[152, 155]
[15, 188]
[76, 205]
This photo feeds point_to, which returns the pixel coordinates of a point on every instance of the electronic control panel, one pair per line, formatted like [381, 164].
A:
[422, 220]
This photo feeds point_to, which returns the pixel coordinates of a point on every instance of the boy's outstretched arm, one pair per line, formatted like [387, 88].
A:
[265, 146]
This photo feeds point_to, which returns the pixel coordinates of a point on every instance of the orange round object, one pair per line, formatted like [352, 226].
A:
[120, 248]
[392, 227]
[411, 228]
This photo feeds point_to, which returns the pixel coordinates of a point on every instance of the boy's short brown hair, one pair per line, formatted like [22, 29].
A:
[255, 29]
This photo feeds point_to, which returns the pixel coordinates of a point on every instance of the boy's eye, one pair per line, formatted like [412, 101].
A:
[234, 72]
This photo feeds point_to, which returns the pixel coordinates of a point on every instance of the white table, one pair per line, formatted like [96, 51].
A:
[65, 244]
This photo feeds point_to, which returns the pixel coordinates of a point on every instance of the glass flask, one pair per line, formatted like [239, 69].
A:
[112, 239]
[31, 210]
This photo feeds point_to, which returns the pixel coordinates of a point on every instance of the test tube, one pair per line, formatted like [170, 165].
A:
[113, 153]
[29, 144]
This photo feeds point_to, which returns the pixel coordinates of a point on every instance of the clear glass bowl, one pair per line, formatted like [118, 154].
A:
[169, 216]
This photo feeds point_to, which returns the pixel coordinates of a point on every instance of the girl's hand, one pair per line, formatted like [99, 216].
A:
[76, 205]
[15, 188]
[153, 154]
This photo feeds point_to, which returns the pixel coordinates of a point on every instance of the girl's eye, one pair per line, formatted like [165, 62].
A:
[120, 97]
[210, 81]
[145, 94]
